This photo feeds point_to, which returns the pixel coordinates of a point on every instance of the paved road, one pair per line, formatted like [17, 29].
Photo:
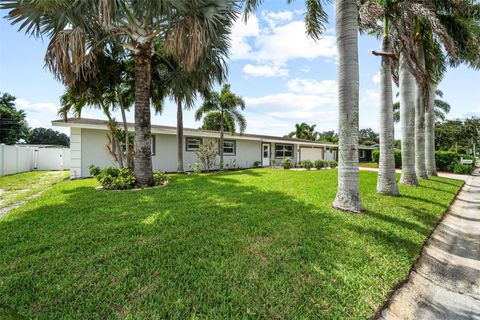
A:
[445, 282]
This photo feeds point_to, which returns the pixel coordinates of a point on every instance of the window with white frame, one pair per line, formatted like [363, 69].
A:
[362, 153]
[193, 144]
[283, 150]
[229, 147]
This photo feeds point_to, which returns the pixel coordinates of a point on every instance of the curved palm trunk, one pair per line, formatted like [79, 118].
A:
[430, 133]
[348, 196]
[386, 183]
[179, 137]
[420, 168]
[407, 122]
[220, 149]
[143, 153]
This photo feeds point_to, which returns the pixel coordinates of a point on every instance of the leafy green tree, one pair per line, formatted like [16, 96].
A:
[48, 136]
[13, 125]
[79, 30]
[227, 104]
[368, 137]
[329, 136]
[304, 131]
[212, 121]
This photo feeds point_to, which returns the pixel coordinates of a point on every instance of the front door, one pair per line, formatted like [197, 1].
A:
[265, 154]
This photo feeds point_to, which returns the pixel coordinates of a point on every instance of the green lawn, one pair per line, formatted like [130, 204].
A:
[17, 187]
[261, 243]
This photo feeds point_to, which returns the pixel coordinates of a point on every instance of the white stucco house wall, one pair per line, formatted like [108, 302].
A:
[88, 142]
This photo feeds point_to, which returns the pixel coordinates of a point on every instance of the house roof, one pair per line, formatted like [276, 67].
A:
[364, 147]
[101, 124]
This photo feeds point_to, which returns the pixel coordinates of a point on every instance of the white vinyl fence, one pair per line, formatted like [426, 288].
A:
[15, 159]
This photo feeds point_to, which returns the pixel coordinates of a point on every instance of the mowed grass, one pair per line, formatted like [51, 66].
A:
[17, 187]
[261, 243]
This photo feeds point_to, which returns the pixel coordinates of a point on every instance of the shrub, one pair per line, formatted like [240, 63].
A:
[112, 178]
[397, 155]
[332, 164]
[307, 164]
[94, 170]
[256, 163]
[196, 167]
[287, 163]
[160, 178]
[207, 154]
[446, 160]
[461, 168]
[320, 164]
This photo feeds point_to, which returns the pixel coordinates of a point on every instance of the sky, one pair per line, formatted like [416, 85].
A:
[284, 77]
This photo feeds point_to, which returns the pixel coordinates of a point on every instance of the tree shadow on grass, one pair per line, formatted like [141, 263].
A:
[215, 246]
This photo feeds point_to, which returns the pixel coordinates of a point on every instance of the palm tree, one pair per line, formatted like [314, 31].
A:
[440, 107]
[185, 86]
[386, 181]
[304, 131]
[346, 21]
[111, 88]
[407, 122]
[79, 29]
[227, 103]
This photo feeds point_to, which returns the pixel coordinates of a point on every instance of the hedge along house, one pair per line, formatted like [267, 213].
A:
[89, 141]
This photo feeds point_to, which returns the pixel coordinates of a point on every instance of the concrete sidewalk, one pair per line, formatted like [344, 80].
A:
[445, 282]
[440, 174]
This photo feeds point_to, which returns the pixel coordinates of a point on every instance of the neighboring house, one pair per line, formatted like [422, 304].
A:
[88, 141]
[365, 153]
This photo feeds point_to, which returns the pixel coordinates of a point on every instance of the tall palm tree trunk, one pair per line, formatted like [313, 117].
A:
[121, 102]
[143, 153]
[386, 183]
[220, 149]
[430, 133]
[420, 168]
[348, 195]
[407, 122]
[179, 137]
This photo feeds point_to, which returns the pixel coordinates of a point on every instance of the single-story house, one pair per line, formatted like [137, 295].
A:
[365, 153]
[88, 145]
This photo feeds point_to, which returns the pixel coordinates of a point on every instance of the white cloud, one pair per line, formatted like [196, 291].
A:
[376, 78]
[265, 70]
[305, 100]
[276, 38]
[241, 32]
[273, 18]
[37, 106]
[314, 87]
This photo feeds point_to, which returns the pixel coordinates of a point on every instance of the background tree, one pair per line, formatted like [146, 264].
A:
[304, 131]
[458, 135]
[212, 121]
[329, 136]
[48, 136]
[13, 125]
[441, 108]
[227, 104]
[368, 137]
[78, 30]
